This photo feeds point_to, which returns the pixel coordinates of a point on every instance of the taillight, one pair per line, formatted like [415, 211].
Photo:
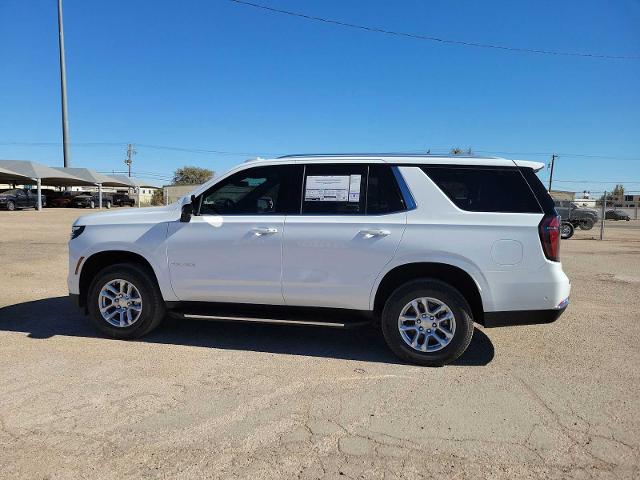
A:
[549, 230]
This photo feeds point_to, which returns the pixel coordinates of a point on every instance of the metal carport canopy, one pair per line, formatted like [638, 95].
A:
[95, 178]
[41, 173]
[9, 176]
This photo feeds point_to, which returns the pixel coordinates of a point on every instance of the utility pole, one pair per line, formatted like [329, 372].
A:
[553, 161]
[129, 160]
[63, 89]
[604, 210]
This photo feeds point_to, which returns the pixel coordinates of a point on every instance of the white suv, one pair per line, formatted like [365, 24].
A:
[422, 246]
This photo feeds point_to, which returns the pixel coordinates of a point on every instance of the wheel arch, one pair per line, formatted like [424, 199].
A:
[100, 260]
[451, 274]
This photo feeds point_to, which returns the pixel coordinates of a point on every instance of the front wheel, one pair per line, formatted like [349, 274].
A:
[92, 204]
[108, 205]
[566, 230]
[11, 206]
[587, 224]
[124, 301]
[427, 322]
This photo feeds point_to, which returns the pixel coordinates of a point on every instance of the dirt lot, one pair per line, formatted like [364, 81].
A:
[213, 400]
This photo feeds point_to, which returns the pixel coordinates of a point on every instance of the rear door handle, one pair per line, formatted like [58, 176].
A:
[259, 231]
[375, 233]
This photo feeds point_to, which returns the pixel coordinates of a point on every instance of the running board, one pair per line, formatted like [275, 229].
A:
[273, 321]
[272, 314]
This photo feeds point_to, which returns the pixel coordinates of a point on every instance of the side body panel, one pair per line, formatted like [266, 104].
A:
[140, 231]
[501, 251]
[227, 258]
[331, 260]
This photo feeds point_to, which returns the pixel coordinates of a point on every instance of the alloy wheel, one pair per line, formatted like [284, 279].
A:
[120, 303]
[427, 324]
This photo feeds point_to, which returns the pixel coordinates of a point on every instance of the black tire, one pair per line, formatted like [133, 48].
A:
[566, 230]
[11, 206]
[92, 204]
[108, 205]
[153, 306]
[587, 224]
[443, 292]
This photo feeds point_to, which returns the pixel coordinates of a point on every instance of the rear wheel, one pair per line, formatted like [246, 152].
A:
[566, 230]
[92, 204]
[11, 206]
[108, 204]
[427, 322]
[124, 301]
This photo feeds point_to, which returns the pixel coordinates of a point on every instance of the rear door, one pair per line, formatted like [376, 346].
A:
[351, 221]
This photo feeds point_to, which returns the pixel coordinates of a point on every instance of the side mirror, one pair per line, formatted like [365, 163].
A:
[187, 211]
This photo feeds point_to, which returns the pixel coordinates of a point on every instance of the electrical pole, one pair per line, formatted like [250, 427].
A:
[604, 210]
[63, 89]
[129, 160]
[553, 161]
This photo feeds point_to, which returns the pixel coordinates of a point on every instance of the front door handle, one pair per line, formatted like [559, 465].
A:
[259, 231]
[375, 233]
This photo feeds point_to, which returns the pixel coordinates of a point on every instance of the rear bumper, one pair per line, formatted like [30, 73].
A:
[521, 317]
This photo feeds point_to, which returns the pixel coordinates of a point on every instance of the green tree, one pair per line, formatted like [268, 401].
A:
[158, 197]
[618, 191]
[190, 175]
[459, 151]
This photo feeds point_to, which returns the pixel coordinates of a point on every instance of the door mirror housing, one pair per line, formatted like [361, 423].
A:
[187, 212]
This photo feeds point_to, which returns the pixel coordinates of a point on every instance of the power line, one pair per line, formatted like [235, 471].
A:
[432, 38]
[598, 181]
[226, 152]
[579, 155]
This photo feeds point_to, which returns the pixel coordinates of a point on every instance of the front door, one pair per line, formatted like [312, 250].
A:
[353, 217]
[231, 250]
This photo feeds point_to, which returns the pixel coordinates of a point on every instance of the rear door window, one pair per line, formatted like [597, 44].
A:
[334, 189]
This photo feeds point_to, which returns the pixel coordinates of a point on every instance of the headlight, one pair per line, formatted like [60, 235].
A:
[76, 230]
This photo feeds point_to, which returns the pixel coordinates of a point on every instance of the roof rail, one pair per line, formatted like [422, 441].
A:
[395, 154]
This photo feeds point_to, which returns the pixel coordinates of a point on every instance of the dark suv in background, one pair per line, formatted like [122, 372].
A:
[91, 200]
[616, 215]
[584, 218]
[20, 198]
[122, 199]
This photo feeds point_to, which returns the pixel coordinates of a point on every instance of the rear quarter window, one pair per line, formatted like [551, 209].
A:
[485, 189]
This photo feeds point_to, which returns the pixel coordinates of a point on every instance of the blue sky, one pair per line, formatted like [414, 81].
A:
[214, 75]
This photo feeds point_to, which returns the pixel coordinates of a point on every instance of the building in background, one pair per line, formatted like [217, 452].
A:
[625, 201]
[562, 195]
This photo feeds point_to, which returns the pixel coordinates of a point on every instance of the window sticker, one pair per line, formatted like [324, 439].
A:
[354, 188]
[327, 188]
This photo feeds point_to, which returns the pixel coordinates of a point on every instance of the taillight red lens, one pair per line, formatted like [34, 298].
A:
[549, 230]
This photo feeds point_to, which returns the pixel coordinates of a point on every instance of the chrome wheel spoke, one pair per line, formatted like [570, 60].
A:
[446, 333]
[109, 288]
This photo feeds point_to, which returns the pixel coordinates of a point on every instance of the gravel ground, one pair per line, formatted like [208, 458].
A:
[219, 400]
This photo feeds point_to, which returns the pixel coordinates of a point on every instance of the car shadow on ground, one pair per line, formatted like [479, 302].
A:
[49, 317]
